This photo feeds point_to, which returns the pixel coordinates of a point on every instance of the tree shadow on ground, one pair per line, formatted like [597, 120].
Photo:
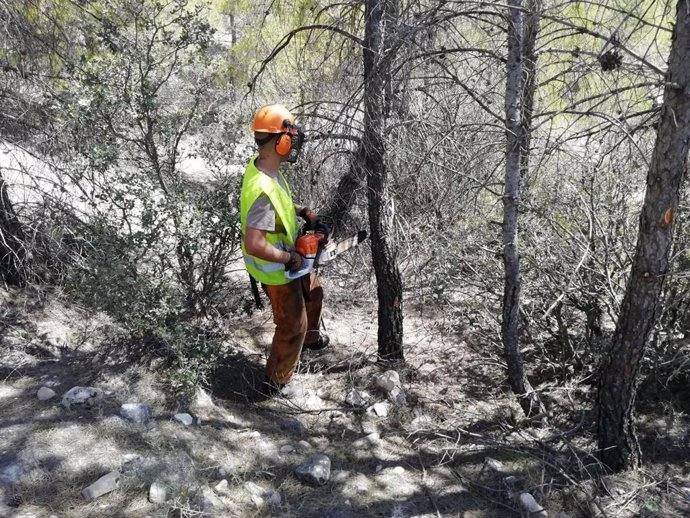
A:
[239, 379]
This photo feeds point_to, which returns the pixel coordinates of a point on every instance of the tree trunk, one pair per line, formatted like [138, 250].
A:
[516, 138]
[529, 84]
[380, 207]
[13, 257]
[618, 446]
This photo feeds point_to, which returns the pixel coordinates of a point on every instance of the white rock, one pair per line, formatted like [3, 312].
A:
[304, 446]
[315, 471]
[185, 419]
[369, 440]
[531, 506]
[494, 465]
[158, 493]
[357, 398]
[45, 393]
[293, 390]
[202, 399]
[222, 486]
[252, 488]
[208, 500]
[387, 381]
[137, 413]
[81, 396]
[103, 485]
[379, 409]
[256, 493]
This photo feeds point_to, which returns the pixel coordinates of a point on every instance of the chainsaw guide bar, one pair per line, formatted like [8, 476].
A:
[327, 253]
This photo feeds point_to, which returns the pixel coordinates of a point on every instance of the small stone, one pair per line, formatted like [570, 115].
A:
[357, 398]
[315, 471]
[202, 399]
[530, 505]
[252, 488]
[369, 440]
[103, 485]
[293, 390]
[292, 425]
[287, 448]
[137, 413]
[304, 446]
[185, 419]
[222, 486]
[387, 381]
[158, 493]
[398, 470]
[45, 393]
[208, 500]
[320, 443]
[81, 397]
[10, 472]
[397, 396]
[379, 409]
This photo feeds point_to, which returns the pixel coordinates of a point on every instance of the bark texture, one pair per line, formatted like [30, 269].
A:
[517, 138]
[618, 446]
[13, 257]
[377, 77]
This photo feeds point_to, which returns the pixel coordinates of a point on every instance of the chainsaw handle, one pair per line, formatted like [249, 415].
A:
[307, 268]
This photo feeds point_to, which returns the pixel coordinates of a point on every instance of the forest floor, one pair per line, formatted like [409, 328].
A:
[426, 458]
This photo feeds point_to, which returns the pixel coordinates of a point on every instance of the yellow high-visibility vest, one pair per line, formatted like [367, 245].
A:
[254, 184]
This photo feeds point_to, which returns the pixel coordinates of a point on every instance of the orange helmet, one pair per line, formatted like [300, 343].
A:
[272, 119]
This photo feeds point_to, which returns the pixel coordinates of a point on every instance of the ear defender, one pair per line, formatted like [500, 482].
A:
[284, 144]
[284, 141]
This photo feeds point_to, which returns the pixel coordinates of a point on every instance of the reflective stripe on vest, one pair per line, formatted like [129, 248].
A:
[254, 184]
[265, 268]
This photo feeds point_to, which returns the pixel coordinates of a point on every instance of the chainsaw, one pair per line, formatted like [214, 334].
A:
[317, 252]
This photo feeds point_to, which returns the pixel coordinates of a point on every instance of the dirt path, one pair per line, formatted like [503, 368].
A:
[425, 458]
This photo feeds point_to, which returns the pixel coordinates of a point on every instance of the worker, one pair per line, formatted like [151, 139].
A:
[268, 219]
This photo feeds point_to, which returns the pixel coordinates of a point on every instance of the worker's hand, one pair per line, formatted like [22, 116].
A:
[314, 222]
[295, 263]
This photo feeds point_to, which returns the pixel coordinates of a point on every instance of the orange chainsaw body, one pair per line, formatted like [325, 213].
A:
[308, 244]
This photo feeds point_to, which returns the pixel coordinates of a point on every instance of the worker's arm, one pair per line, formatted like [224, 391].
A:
[256, 244]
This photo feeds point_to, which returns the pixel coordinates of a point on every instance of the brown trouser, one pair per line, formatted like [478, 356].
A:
[296, 314]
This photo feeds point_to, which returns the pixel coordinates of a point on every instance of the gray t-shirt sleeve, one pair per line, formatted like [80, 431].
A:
[261, 215]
